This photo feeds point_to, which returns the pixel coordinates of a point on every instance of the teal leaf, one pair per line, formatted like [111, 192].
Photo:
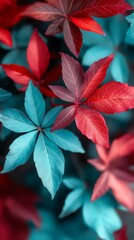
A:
[130, 33]
[20, 151]
[73, 183]
[4, 95]
[16, 121]
[34, 104]
[49, 162]
[95, 53]
[73, 202]
[101, 217]
[65, 140]
[119, 68]
[51, 116]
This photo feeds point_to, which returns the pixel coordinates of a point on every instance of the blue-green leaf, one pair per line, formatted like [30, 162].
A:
[95, 53]
[16, 121]
[119, 68]
[4, 95]
[73, 202]
[65, 140]
[34, 104]
[20, 151]
[49, 162]
[73, 183]
[51, 116]
[101, 217]
[130, 33]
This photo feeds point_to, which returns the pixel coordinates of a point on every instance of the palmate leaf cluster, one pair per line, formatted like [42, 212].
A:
[66, 119]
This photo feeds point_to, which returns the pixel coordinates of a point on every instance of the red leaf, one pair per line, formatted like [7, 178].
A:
[38, 55]
[18, 74]
[42, 11]
[65, 118]
[87, 23]
[72, 37]
[123, 193]
[5, 37]
[121, 234]
[101, 186]
[125, 144]
[92, 125]
[55, 27]
[116, 172]
[113, 97]
[102, 8]
[73, 75]
[94, 76]
[62, 93]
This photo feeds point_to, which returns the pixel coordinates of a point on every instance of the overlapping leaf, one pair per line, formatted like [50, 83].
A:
[96, 215]
[69, 16]
[48, 157]
[87, 100]
[116, 172]
[38, 58]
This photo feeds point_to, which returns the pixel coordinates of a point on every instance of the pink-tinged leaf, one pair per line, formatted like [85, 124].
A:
[99, 165]
[101, 186]
[102, 152]
[38, 55]
[18, 74]
[102, 8]
[123, 193]
[73, 75]
[42, 11]
[94, 76]
[125, 144]
[5, 37]
[121, 234]
[124, 174]
[55, 27]
[113, 97]
[72, 37]
[92, 125]
[65, 118]
[87, 23]
[60, 4]
[62, 93]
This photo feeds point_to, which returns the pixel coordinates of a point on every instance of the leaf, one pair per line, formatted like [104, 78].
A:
[51, 116]
[94, 76]
[42, 11]
[5, 37]
[113, 97]
[65, 140]
[73, 37]
[120, 68]
[73, 183]
[65, 118]
[92, 125]
[130, 33]
[96, 215]
[63, 93]
[49, 162]
[4, 95]
[73, 202]
[73, 75]
[38, 55]
[87, 23]
[16, 121]
[20, 151]
[34, 104]
[17, 73]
